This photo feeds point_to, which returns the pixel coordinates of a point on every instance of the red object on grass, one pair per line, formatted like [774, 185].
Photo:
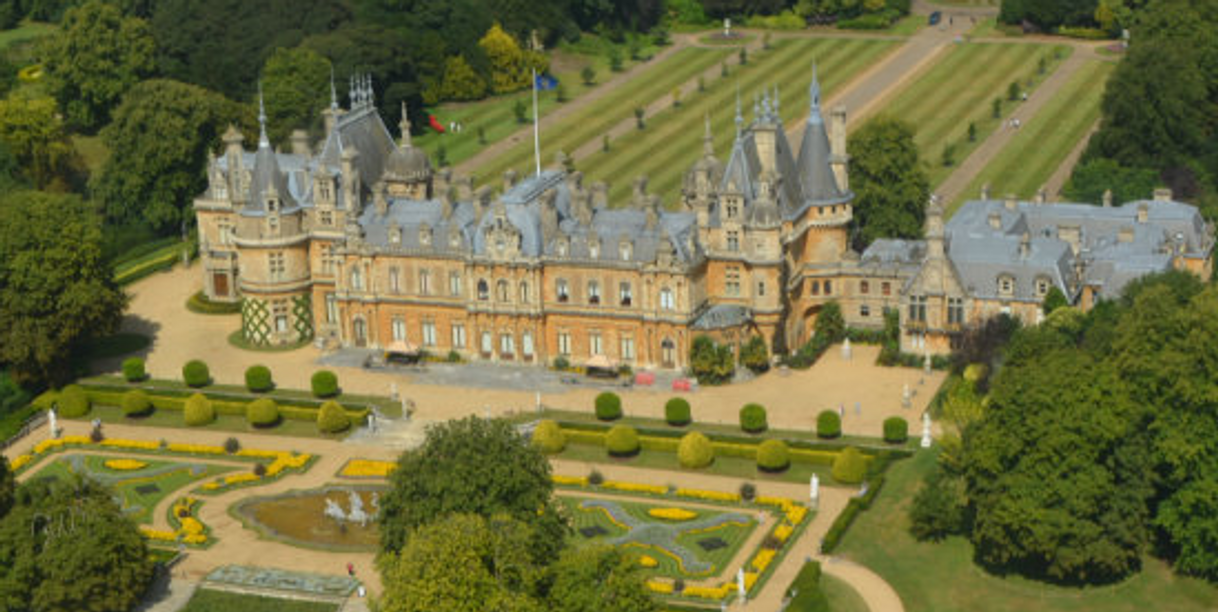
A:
[435, 124]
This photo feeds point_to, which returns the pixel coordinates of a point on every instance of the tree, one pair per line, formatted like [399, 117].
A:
[463, 563]
[588, 74]
[1054, 299]
[509, 66]
[461, 82]
[829, 322]
[890, 186]
[295, 88]
[1094, 176]
[8, 487]
[33, 132]
[754, 356]
[598, 578]
[68, 546]
[710, 363]
[155, 179]
[95, 58]
[473, 466]
[56, 293]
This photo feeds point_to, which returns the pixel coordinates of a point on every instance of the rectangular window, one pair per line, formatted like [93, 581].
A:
[627, 348]
[526, 344]
[864, 287]
[955, 311]
[280, 310]
[828, 287]
[507, 346]
[917, 308]
[562, 291]
[458, 336]
[594, 293]
[331, 308]
[815, 287]
[760, 288]
[594, 344]
[454, 284]
[864, 311]
[395, 281]
[399, 330]
[326, 217]
[732, 281]
[624, 294]
[886, 288]
[733, 240]
[429, 333]
[487, 343]
[666, 299]
[424, 282]
[327, 258]
[564, 343]
[275, 262]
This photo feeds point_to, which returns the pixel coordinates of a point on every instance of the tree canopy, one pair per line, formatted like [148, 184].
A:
[295, 87]
[598, 578]
[890, 186]
[33, 132]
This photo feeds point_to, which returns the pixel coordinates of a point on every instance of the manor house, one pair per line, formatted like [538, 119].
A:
[360, 242]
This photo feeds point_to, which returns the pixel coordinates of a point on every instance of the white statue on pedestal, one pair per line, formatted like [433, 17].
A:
[740, 584]
[846, 350]
[54, 420]
[926, 430]
[727, 28]
[905, 396]
[814, 493]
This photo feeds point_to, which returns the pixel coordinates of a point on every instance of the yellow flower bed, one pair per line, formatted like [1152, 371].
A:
[660, 586]
[122, 465]
[131, 444]
[575, 481]
[47, 445]
[197, 449]
[797, 514]
[357, 468]
[262, 454]
[635, 487]
[783, 532]
[672, 514]
[191, 526]
[750, 578]
[157, 534]
[715, 593]
[648, 561]
[762, 560]
[712, 495]
[20, 462]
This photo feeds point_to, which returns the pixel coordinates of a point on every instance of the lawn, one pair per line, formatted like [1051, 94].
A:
[842, 597]
[941, 577]
[208, 600]
[671, 142]
[959, 89]
[224, 422]
[713, 545]
[137, 491]
[1042, 144]
[736, 467]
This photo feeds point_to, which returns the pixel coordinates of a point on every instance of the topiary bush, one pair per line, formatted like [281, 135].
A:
[232, 446]
[695, 450]
[324, 383]
[773, 456]
[676, 412]
[622, 441]
[331, 418]
[828, 424]
[136, 403]
[849, 467]
[549, 438]
[73, 402]
[199, 411]
[748, 491]
[896, 430]
[262, 412]
[752, 418]
[258, 379]
[133, 369]
[608, 406]
[195, 374]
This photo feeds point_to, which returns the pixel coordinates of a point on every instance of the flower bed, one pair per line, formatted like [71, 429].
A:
[189, 529]
[367, 468]
[672, 514]
[125, 465]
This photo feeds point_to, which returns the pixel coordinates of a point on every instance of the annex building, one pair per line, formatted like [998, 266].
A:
[359, 242]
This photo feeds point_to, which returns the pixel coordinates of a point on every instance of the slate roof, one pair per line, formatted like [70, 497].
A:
[722, 316]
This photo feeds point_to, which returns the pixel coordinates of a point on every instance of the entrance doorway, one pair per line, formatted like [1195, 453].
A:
[360, 330]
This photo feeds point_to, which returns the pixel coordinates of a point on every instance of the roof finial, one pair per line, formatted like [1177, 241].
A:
[405, 125]
[333, 92]
[263, 141]
[708, 140]
[814, 90]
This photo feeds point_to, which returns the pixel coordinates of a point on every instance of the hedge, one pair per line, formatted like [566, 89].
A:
[198, 411]
[196, 374]
[849, 467]
[331, 418]
[258, 379]
[74, 402]
[896, 430]
[608, 406]
[136, 403]
[695, 450]
[163, 400]
[263, 412]
[773, 456]
[828, 425]
[622, 441]
[198, 303]
[677, 413]
[133, 369]
[549, 438]
[805, 593]
[875, 482]
[752, 418]
[324, 383]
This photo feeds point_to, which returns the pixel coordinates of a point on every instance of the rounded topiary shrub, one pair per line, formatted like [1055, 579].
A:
[133, 369]
[695, 450]
[258, 379]
[622, 441]
[676, 412]
[828, 424]
[849, 467]
[773, 456]
[136, 403]
[608, 406]
[324, 383]
[195, 374]
[896, 430]
[262, 412]
[73, 402]
[549, 438]
[752, 418]
[331, 418]
[199, 411]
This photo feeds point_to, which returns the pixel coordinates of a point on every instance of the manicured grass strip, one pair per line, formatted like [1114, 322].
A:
[208, 600]
[735, 467]
[1041, 145]
[672, 141]
[842, 597]
[941, 577]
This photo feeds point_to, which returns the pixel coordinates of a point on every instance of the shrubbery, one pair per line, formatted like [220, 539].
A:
[828, 424]
[622, 441]
[198, 411]
[549, 438]
[849, 467]
[262, 412]
[324, 383]
[133, 369]
[258, 379]
[676, 412]
[752, 418]
[773, 456]
[73, 402]
[695, 450]
[896, 430]
[331, 418]
[608, 406]
[195, 374]
[136, 403]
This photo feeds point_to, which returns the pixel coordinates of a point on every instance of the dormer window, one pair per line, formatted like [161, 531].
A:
[1006, 285]
[1042, 287]
[425, 236]
[594, 249]
[454, 239]
[562, 247]
[395, 235]
[625, 250]
[732, 209]
[666, 299]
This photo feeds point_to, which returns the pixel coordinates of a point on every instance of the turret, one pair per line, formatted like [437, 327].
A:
[351, 180]
[233, 154]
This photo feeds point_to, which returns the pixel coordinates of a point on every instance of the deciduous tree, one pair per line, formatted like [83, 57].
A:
[598, 578]
[33, 131]
[890, 186]
[296, 87]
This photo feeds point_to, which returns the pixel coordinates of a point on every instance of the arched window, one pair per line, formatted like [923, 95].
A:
[524, 292]
[357, 278]
[484, 290]
[501, 291]
[395, 280]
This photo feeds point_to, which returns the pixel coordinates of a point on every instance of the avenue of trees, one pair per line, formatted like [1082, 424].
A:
[1097, 443]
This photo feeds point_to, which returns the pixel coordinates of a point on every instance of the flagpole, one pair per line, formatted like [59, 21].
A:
[536, 128]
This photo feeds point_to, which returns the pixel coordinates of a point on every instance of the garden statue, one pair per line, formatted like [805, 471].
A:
[740, 585]
[926, 429]
[334, 511]
[405, 409]
[905, 396]
[814, 494]
[727, 28]
[926, 364]
[54, 419]
[539, 401]
[357, 514]
[846, 351]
